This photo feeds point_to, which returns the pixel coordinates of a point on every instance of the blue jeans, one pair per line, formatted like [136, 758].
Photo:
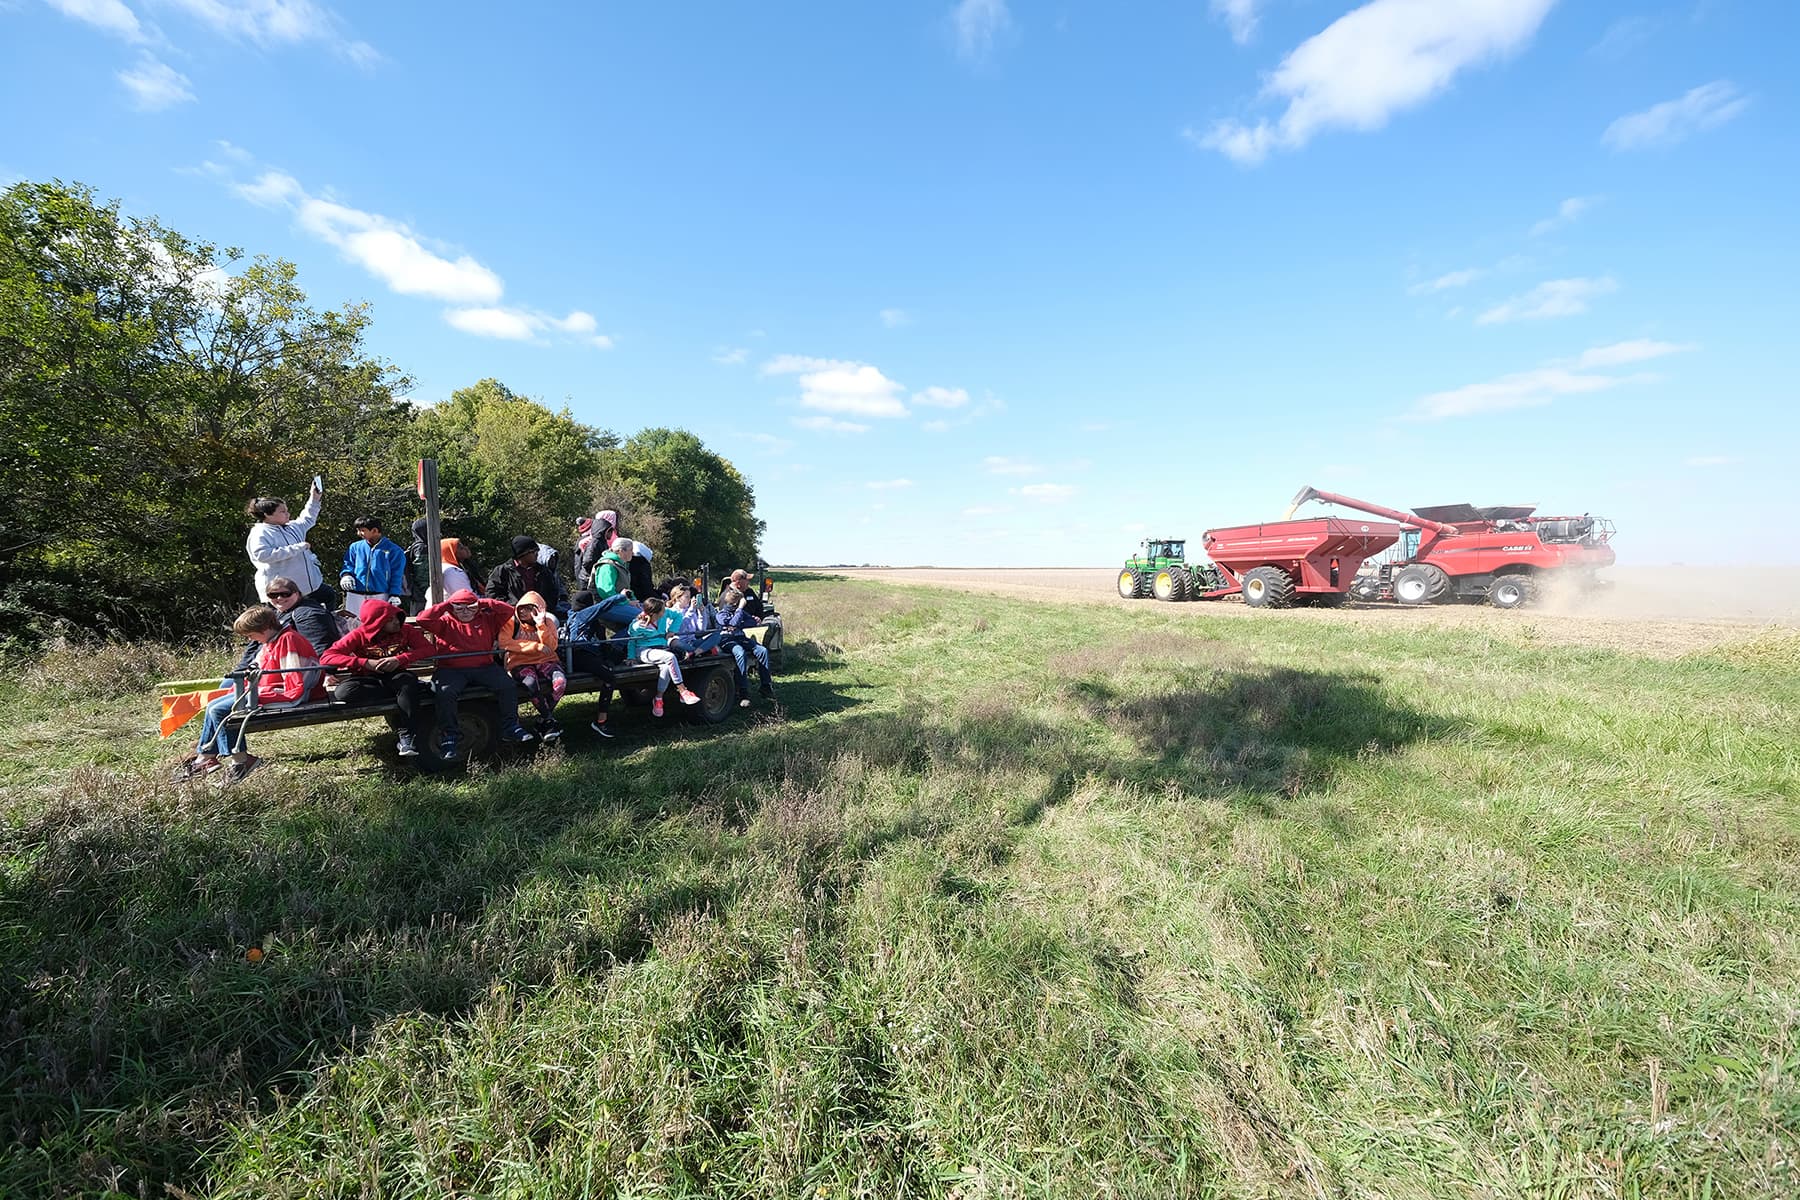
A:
[754, 649]
[448, 685]
[218, 738]
[617, 610]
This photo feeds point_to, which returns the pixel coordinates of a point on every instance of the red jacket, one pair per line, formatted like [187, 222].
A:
[479, 636]
[356, 651]
[291, 670]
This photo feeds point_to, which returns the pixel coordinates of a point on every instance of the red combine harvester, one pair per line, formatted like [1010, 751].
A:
[1278, 563]
[1501, 554]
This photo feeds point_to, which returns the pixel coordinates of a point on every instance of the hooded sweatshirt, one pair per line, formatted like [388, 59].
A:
[290, 668]
[612, 576]
[456, 577]
[525, 645]
[651, 633]
[478, 636]
[355, 653]
[276, 550]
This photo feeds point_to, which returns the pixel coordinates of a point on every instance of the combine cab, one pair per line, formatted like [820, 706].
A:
[1501, 554]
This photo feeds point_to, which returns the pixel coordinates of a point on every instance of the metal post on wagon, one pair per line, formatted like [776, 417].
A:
[428, 492]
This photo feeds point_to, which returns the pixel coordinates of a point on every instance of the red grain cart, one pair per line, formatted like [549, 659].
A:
[1278, 563]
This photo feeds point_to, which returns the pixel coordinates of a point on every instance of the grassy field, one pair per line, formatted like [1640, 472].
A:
[1005, 900]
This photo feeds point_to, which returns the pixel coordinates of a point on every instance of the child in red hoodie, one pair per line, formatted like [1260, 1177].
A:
[373, 662]
[287, 674]
[467, 622]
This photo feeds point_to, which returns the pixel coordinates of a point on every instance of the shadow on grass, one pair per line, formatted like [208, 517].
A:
[134, 1033]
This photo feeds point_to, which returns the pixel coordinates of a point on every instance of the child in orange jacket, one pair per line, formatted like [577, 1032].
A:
[530, 646]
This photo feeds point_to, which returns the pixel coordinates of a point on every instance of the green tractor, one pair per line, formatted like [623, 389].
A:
[1162, 570]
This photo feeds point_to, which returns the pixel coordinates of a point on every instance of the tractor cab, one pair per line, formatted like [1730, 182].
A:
[1162, 551]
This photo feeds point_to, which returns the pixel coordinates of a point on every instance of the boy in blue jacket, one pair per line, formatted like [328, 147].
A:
[374, 568]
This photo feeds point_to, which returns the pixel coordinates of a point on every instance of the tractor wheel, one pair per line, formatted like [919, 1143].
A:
[1268, 587]
[1128, 584]
[1184, 577]
[1167, 584]
[1420, 583]
[1510, 591]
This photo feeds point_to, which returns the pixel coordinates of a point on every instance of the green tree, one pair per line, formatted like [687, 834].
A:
[708, 509]
[147, 390]
[508, 465]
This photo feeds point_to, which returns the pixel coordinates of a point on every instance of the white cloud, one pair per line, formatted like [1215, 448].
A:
[731, 356]
[1049, 492]
[999, 464]
[1239, 17]
[1452, 279]
[829, 425]
[894, 318]
[888, 485]
[386, 248]
[1567, 212]
[1621, 353]
[155, 85]
[1543, 385]
[985, 510]
[1552, 298]
[840, 386]
[1705, 107]
[493, 322]
[1624, 36]
[108, 16]
[977, 25]
[941, 397]
[1382, 58]
[1708, 460]
[524, 325]
[278, 22]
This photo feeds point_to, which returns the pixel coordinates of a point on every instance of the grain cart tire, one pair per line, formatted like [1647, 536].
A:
[1510, 591]
[1128, 584]
[1420, 583]
[1166, 585]
[1268, 587]
[718, 697]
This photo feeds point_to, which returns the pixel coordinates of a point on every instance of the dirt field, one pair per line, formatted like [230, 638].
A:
[1661, 611]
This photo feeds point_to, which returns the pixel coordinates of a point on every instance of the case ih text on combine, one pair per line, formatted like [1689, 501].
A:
[1449, 552]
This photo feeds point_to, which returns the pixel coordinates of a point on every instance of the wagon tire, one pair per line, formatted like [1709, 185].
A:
[1268, 587]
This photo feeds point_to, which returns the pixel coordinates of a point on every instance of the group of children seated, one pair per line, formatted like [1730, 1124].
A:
[509, 642]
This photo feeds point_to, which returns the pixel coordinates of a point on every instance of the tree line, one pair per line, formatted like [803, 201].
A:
[152, 383]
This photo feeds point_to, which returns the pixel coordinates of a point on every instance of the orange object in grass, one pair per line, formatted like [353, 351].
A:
[254, 954]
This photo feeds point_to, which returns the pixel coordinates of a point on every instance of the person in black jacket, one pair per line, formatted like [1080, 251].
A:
[418, 568]
[532, 568]
[312, 619]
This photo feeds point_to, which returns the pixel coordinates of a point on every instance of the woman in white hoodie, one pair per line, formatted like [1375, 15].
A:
[277, 543]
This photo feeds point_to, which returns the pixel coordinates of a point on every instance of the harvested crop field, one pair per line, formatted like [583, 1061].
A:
[1663, 612]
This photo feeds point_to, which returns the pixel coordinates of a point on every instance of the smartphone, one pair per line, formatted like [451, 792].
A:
[318, 483]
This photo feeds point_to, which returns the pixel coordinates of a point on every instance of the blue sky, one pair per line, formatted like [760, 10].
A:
[1008, 283]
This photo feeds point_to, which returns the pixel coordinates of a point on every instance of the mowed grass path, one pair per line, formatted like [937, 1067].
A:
[1012, 900]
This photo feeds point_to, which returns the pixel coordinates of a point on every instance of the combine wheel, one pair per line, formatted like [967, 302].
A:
[1420, 583]
[1268, 587]
[1128, 584]
[1510, 591]
[1167, 585]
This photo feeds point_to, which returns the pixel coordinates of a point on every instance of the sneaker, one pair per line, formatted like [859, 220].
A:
[518, 735]
[687, 695]
[449, 746]
[600, 728]
[407, 748]
[743, 702]
[656, 707]
[237, 772]
[551, 732]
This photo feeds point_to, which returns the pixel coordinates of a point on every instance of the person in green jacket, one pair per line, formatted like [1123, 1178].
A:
[612, 585]
[650, 638]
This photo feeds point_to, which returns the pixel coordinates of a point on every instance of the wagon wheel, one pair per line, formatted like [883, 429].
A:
[1268, 587]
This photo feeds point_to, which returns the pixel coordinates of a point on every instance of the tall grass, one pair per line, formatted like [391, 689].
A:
[1043, 902]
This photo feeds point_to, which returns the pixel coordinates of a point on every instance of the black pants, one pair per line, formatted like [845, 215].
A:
[403, 687]
[449, 683]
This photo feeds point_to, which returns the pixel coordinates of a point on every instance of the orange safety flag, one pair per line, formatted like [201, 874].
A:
[179, 710]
